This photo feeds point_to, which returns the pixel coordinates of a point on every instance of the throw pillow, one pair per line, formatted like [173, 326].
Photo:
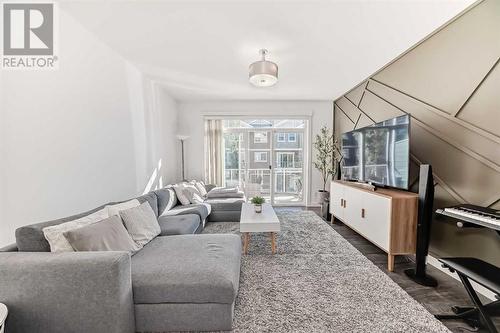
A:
[182, 194]
[191, 186]
[55, 234]
[141, 223]
[201, 188]
[191, 193]
[115, 209]
[107, 235]
[196, 199]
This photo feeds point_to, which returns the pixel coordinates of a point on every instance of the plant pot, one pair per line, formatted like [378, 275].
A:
[323, 195]
[258, 208]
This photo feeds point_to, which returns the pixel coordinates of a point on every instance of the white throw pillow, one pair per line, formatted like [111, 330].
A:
[115, 209]
[141, 223]
[192, 193]
[55, 234]
[191, 186]
[182, 194]
[201, 188]
[196, 198]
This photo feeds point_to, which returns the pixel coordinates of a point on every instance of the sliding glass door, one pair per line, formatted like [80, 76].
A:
[266, 158]
[288, 149]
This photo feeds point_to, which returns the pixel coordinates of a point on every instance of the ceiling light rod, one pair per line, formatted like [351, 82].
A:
[263, 53]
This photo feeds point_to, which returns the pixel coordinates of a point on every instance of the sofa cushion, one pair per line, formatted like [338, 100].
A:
[232, 204]
[224, 195]
[187, 269]
[179, 224]
[166, 199]
[202, 210]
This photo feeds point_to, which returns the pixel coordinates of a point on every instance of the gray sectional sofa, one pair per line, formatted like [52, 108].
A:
[177, 282]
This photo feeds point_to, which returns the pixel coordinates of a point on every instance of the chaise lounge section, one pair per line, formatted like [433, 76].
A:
[196, 283]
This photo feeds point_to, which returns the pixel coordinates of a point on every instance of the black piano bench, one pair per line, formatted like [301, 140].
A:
[484, 274]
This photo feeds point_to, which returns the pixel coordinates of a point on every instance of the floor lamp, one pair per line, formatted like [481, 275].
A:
[182, 138]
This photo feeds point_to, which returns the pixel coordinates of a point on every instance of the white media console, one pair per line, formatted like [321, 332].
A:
[385, 217]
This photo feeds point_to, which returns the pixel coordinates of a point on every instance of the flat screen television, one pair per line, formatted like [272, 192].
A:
[378, 154]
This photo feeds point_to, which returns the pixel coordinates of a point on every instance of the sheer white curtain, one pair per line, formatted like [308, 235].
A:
[214, 164]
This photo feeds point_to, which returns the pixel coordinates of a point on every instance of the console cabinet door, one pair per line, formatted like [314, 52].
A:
[352, 209]
[376, 219]
[336, 199]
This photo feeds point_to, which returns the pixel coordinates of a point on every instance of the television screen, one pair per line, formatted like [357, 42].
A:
[379, 153]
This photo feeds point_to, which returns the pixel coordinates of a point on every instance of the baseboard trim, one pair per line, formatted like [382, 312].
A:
[477, 287]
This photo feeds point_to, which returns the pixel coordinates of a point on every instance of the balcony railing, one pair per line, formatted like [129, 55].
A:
[287, 181]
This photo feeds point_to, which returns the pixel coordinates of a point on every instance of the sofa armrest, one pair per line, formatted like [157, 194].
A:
[67, 292]
[9, 248]
[210, 187]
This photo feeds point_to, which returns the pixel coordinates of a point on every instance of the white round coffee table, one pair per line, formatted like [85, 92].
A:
[3, 316]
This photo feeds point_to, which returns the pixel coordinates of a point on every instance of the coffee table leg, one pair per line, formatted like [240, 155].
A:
[246, 238]
[273, 242]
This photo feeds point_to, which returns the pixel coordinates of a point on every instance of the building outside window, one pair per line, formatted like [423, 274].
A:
[260, 137]
[285, 160]
[281, 137]
[260, 156]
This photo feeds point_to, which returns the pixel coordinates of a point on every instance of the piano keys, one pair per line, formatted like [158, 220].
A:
[481, 216]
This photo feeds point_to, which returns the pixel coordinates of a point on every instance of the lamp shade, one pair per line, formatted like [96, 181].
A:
[263, 73]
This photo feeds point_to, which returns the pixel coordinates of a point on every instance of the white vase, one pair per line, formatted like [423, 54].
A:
[258, 208]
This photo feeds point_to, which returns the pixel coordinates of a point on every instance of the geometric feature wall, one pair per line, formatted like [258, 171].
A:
[450, 85]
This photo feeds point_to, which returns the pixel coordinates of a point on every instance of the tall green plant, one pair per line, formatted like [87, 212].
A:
[327, 154]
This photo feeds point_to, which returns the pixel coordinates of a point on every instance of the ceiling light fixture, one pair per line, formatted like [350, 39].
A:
[263, 73]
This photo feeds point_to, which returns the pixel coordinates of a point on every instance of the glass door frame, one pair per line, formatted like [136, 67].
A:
[306, 150]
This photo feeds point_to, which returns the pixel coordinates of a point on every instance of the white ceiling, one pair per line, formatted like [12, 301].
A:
[201, 49]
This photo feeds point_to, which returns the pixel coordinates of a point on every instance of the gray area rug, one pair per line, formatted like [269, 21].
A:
[318, 282]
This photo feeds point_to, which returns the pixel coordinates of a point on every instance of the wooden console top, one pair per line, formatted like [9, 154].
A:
[385, 192]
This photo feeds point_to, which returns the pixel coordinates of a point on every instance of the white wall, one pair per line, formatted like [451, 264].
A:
[191, 123]
[91, 132]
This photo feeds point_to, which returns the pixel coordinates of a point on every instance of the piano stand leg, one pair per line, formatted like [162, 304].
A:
[493, 309]
[477, 316]
[473, 322]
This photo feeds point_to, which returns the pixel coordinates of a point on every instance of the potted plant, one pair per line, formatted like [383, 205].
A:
[257, 203]
[327, 155]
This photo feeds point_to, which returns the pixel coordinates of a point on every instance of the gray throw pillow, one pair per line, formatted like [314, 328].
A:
[106, 235]
[141, 223]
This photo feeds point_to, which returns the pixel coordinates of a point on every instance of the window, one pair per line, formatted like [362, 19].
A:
[260, 137]
[281, 137]
[285, 160]
[292, 137]
[260, 156]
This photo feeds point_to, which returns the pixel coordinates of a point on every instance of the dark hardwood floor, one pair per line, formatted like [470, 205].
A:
[436, 300]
